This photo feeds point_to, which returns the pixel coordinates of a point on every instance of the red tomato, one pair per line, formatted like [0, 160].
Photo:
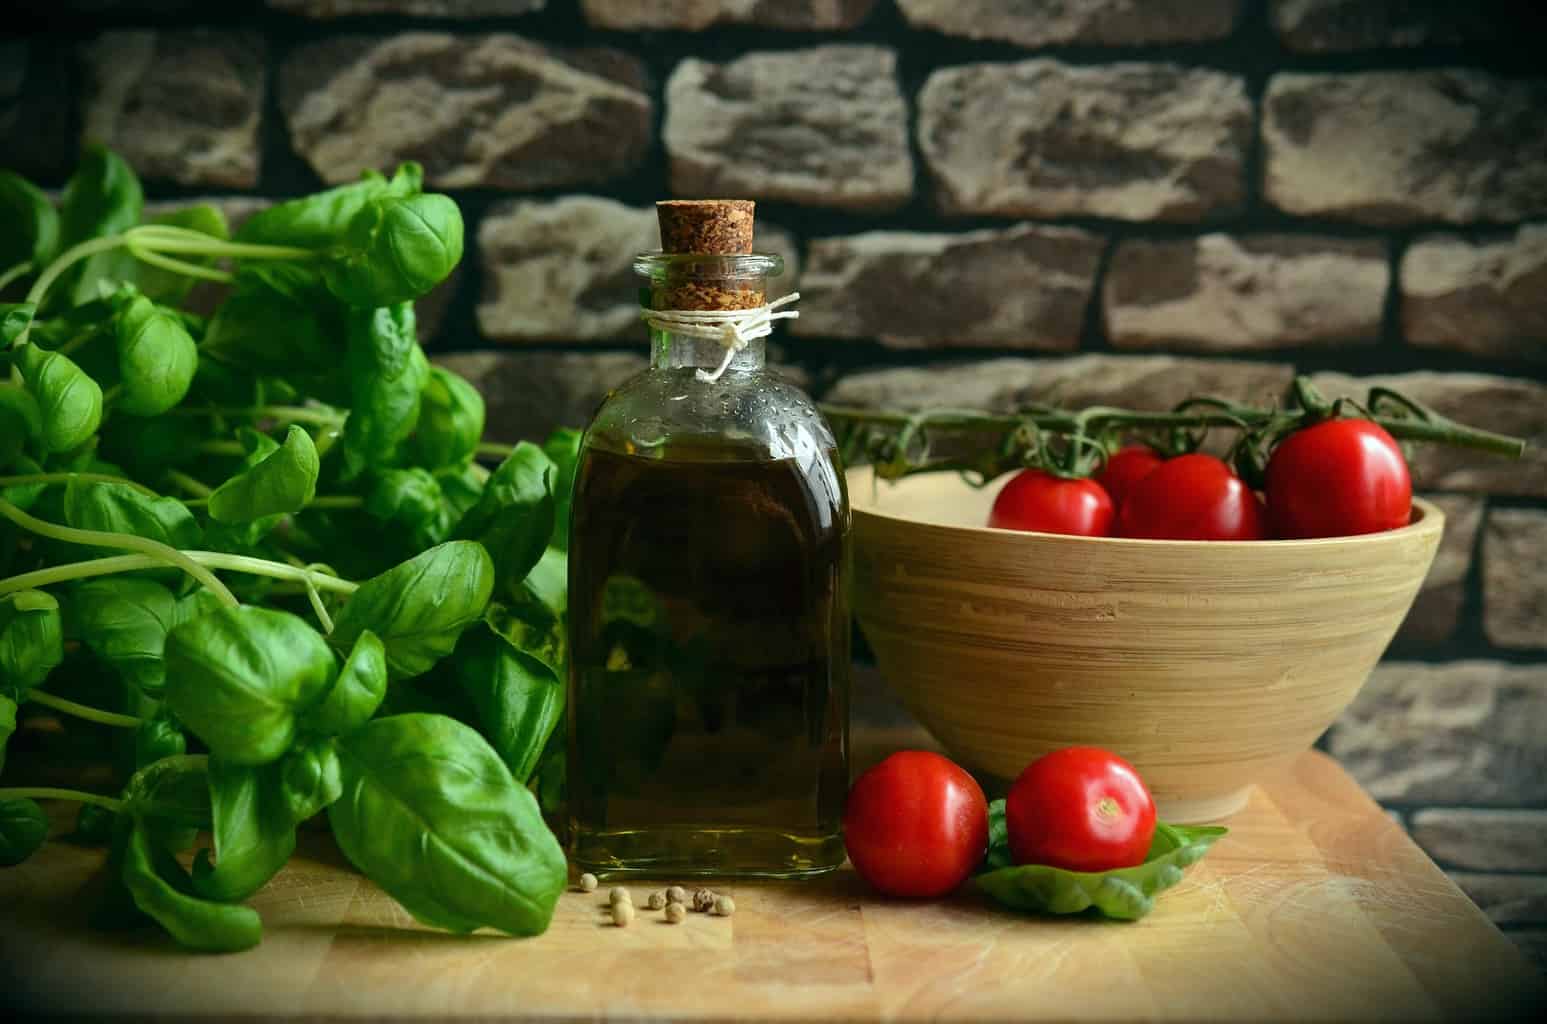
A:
[1126, 467]
[916, 825]
[1080, 808]
[1336, 479]
[1038, 500]
[1192, 497]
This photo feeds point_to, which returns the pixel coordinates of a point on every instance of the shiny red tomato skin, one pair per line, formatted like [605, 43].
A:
[916, 825]
[1080, 808]
[1038, 500]
[1126, 467]
[1192, 497]
[1338, 478]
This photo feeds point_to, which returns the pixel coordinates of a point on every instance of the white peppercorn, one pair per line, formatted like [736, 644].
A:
[676, 894]
[703, 900]
[588, 882]
[623, 913]
[618, 895]
[657, 900]
[724, 906]
[675, 913]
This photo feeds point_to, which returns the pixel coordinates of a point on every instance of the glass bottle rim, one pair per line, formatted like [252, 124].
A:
[657, 265]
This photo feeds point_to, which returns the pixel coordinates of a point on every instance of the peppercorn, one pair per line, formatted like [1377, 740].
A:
[703, 900]
[618, 895]
[588, 882]
[724, 906]
[676, 894]
[675, 913]
[657, 899]
[623, 913]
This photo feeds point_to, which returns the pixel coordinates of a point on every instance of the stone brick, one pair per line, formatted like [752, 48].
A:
[1078, 22]
[1023, 287]
[562, 270]
[1043, 139]
[1506, 405]
[1334, 26]
[528, 394]
[1436, 613]
[179, 105]
[1483, 840]
[1485, 298]
[1138, 382]
[1397, 147]
[1223, 293]
[825, 126]
[1459, 732]
[490, 110]
[700, 14]
[37, 82]
[1506, 899]
[411, 8]
[1515, 578]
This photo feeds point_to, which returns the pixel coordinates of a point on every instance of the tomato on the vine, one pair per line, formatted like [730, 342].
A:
[1082, 809]
[915, 825]
[1035, 499]
[1338, 478]
[1126, 467]
[1192, 497]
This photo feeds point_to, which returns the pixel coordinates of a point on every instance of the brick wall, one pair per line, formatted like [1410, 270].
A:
[983, 202]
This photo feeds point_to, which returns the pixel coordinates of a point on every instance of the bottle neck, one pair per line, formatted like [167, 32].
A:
[670, 351]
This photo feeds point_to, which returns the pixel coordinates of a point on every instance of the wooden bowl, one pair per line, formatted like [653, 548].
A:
[1206, 664]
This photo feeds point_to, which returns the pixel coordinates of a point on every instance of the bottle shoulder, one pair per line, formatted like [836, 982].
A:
[758, 409]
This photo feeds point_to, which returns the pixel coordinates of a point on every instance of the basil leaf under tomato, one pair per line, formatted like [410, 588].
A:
[1125, 894]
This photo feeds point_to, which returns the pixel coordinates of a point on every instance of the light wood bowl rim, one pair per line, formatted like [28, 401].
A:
[1427, 518]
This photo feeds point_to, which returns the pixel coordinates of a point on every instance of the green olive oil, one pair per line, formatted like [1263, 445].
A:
[708, 689]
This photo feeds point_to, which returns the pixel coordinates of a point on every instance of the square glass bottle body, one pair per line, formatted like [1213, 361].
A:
[709, 619]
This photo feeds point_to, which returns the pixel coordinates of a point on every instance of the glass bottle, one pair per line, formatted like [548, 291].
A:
[708, 609]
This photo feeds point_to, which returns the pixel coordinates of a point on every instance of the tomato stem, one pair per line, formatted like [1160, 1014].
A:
[984, 445]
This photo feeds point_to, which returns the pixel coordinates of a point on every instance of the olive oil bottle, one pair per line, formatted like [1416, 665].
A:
[708, 604]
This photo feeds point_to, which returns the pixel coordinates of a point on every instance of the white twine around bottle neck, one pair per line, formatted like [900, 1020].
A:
[733, 328]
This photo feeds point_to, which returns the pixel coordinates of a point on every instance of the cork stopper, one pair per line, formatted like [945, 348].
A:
[705, 227]
[719, 226]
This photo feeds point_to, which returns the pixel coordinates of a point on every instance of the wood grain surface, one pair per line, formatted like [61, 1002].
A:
[1315, 907]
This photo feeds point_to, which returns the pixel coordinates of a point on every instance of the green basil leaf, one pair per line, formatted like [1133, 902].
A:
[1124, 894]
[93, 824]
[157, 738]
[7, 724]
[24, 496]
[23, 828]
[31, 639]
[157, 358]
[29, 224]
[451, 419]
[284, 481]
[514, 514]
[396, 249]
[462, 488]
[102, 198]
[14, 318]
[125, 621]
[518, 699]
[172, 794]
[262, 330]
[70, 401]
[563, 448]
[161, 889]
[531, 618]
[119, 508]
[431, 814]
[356, 693]
[253, 833]
[21, 423]
[411, 500]
[309, 779]
[419, 608]
[168, 287]
[387, 373]
[240, 677]
[320, 220]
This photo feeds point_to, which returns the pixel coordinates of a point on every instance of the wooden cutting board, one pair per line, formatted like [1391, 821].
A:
[1315, 906]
